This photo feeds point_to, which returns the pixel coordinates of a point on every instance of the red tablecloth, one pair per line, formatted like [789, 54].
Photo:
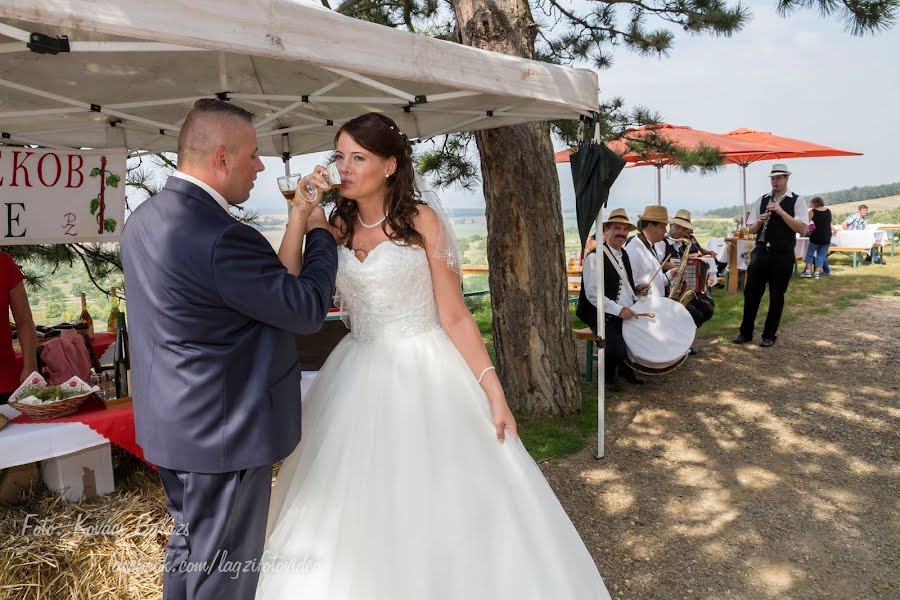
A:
[115, 423]
[100, 342]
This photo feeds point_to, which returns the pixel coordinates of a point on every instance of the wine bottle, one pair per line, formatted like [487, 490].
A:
[86, 316]
[121, 361]
[112, 324]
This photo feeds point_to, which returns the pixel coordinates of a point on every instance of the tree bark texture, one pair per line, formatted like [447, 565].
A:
[526, 245]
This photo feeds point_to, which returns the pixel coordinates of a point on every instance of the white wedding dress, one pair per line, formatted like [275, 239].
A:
[399, 489]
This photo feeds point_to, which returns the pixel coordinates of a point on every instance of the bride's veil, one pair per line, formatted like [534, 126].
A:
[447, 247]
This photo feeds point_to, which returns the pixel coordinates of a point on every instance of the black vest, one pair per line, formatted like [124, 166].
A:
[586, 311]
[778, 235]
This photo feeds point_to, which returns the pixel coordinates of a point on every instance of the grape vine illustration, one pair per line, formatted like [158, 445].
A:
[98, 202]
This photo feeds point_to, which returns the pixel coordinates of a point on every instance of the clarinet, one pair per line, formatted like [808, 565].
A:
[762, 234]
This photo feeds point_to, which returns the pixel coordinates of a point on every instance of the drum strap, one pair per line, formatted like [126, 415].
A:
[622, 275]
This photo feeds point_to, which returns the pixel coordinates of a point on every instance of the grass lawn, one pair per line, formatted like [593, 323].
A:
[555, 437]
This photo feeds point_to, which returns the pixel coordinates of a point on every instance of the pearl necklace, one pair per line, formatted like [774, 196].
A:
[366, 225]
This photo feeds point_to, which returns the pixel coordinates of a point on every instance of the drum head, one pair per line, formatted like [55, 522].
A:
[663, 340]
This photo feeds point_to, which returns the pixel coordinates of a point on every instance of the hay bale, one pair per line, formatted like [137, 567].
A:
[110, 547]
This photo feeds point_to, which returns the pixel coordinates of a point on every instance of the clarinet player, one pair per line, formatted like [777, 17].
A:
[776, 219]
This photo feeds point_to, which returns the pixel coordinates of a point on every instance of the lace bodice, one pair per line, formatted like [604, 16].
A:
[389, 295]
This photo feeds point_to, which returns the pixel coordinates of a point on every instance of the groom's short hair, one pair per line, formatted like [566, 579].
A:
[201, 129]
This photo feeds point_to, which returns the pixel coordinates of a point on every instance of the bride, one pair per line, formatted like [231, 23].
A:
[410, 482]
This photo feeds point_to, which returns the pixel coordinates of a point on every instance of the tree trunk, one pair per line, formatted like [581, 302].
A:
[526, 246]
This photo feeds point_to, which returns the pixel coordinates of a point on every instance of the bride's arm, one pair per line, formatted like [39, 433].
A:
[458, 323]
[290, 252]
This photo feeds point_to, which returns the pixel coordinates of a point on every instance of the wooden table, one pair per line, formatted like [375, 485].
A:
[894, 231]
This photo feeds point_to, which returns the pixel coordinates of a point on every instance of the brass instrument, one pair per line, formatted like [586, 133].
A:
[678, 281]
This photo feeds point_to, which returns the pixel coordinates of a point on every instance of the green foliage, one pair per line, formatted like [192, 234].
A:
[95, 205]
[860, 193]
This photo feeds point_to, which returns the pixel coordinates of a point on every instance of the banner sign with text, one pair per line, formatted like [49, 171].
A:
[61, 196]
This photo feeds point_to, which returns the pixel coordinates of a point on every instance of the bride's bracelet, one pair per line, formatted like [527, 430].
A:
[481, 377]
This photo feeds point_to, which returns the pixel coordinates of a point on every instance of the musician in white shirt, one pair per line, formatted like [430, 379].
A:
[648, 249]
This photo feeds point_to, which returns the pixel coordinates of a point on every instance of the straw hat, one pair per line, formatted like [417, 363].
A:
[683, 218]
[655, 214]
[779, 169]
[619, 216]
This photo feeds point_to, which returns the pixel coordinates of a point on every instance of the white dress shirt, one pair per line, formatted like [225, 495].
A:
[643, 264]
[205, 187]
[589, 273]
[801, 213]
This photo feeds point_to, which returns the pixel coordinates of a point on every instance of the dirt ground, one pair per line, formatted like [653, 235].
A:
[753, 472]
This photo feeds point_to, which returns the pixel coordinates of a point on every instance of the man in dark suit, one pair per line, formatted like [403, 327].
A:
[215, 377]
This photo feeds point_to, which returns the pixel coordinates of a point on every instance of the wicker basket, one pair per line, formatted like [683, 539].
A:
[63, 408]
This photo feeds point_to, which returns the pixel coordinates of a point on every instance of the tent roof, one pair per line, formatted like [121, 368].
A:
[132, 74]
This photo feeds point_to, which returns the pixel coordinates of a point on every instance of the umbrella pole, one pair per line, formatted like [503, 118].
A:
[659, 185]
[744, 192]
[601, 351]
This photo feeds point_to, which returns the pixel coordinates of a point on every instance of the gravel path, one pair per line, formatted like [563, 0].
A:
[753, 472]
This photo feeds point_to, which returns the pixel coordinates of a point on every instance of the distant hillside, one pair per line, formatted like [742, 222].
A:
[878, 205]
[853, 196]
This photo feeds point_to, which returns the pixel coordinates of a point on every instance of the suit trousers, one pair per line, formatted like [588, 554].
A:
[216, 547]
[616, 351]
[772, 269]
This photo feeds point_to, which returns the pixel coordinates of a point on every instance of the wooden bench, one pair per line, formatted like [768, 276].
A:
[589, 357]
[856, 252]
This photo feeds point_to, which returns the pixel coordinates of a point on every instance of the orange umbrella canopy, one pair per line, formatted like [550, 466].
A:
[785, 147]
[741, 146]
[680, 135]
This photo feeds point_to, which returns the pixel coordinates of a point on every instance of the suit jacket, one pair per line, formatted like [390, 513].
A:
[212, 315]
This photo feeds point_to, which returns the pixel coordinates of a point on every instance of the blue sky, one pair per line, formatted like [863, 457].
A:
[802, 76]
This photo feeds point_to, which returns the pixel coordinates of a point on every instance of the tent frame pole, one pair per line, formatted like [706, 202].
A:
[601, 334]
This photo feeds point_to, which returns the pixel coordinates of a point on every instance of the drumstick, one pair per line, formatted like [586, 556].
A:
[651, 315]
[655, 273]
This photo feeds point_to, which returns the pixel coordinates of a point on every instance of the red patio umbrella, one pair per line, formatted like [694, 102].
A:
[783, 147]
[683, 136]
[741, 147]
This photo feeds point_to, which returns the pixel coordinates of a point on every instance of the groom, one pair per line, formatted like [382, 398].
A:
[215, 377]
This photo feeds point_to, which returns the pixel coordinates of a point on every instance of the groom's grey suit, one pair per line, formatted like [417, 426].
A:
[215, 374]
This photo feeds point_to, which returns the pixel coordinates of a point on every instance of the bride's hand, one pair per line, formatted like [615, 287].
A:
[503, 419]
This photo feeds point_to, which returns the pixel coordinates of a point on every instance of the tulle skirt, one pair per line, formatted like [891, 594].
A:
[399, 490]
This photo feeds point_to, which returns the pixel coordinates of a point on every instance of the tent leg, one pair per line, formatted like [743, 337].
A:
[601, 352]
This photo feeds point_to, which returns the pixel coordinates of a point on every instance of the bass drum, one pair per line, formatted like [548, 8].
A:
[660, 344]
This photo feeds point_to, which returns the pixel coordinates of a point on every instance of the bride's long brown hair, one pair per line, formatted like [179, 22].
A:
[381, 136]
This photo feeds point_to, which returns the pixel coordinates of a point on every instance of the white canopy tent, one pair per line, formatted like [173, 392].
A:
[134, 69]
[129, 73]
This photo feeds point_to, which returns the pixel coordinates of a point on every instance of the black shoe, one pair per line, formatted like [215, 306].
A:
[766, 342]
[614, 386]
[631, 377]
[692, 352]
[742, 339]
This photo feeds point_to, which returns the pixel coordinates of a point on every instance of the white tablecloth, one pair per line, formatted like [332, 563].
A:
[745, 247]
[859, 238]
[21, 444]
